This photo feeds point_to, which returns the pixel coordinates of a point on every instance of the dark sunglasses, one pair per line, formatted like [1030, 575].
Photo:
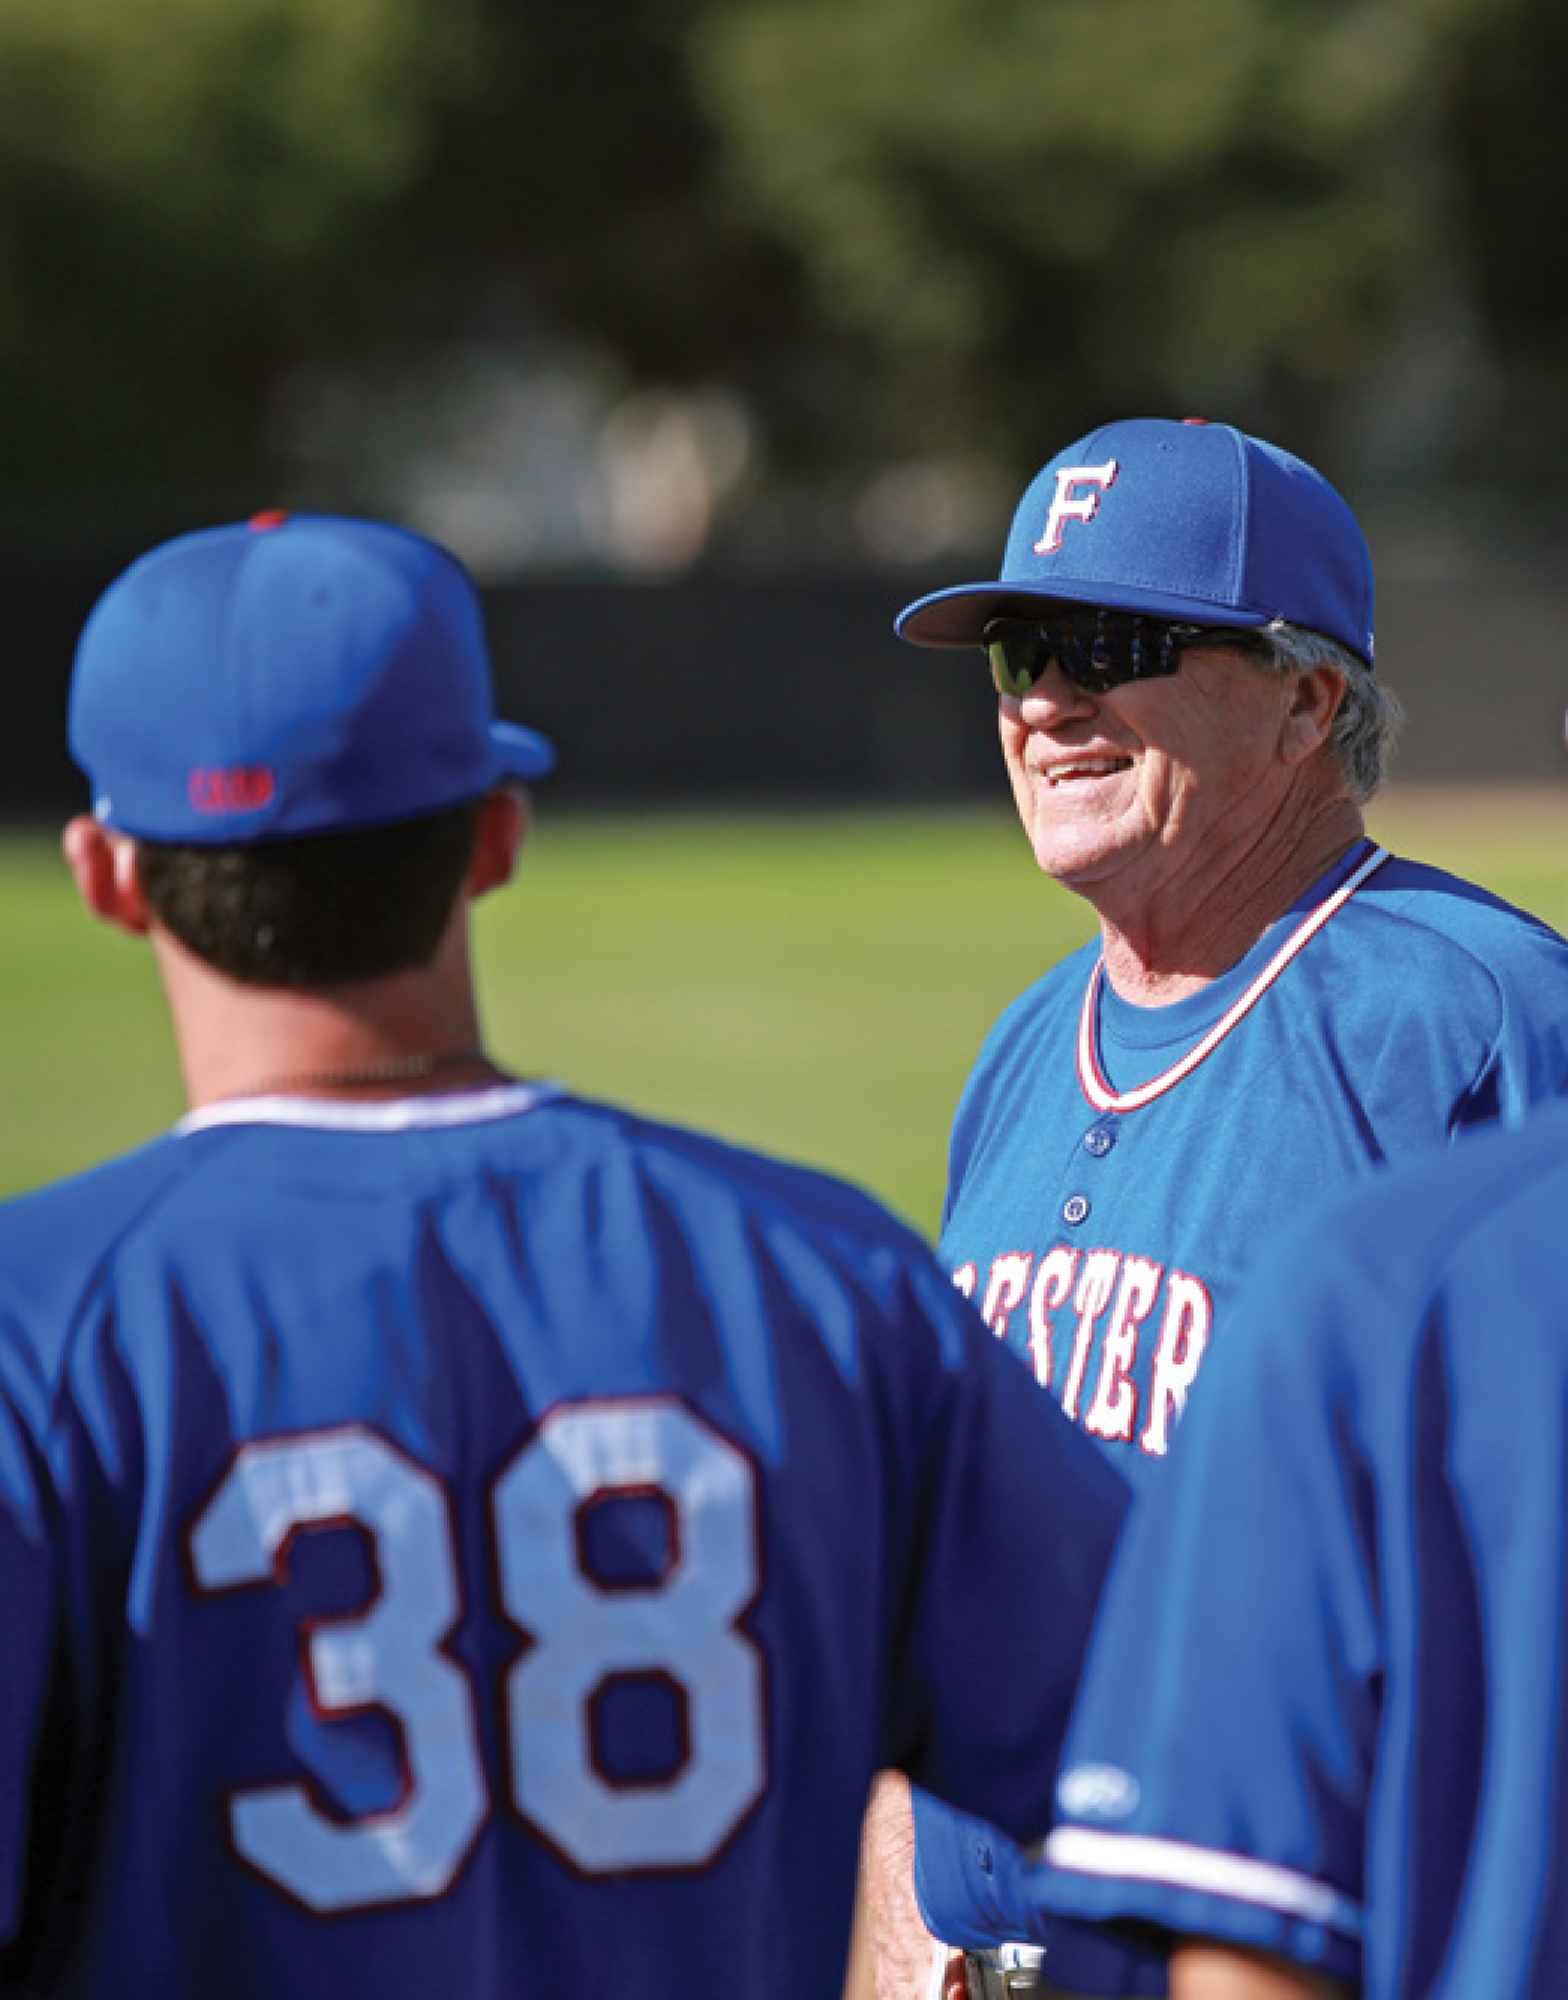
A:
[1098, 650]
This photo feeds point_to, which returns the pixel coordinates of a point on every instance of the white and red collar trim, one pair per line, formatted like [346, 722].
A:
[1092, 1078]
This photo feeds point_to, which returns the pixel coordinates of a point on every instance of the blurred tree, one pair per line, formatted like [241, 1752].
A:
[896, 228]
[1041, 212]
[1506, 83]
[577, 188]
[197, 201]
[182, 190]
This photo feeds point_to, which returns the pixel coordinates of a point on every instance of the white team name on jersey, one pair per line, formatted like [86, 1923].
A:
[1070, 1297]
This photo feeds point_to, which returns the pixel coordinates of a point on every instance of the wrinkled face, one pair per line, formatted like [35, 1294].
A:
[1125, 792]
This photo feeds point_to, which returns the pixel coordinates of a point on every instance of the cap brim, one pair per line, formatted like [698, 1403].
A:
[959, 615]
[520, 754]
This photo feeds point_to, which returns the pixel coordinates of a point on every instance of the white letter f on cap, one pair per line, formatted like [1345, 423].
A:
[1070, 504]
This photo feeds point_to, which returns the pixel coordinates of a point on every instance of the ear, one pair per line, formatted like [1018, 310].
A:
[1313, 702]
[104, 865]
[498, 839]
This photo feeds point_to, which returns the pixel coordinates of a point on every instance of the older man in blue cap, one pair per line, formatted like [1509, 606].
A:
[1181, 639]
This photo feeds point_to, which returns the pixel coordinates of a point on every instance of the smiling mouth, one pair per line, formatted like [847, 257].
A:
[1095, 767]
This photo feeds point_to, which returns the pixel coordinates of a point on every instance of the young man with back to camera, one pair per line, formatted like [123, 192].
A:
[457, 1537]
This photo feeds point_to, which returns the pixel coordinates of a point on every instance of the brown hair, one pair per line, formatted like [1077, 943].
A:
[321, 910]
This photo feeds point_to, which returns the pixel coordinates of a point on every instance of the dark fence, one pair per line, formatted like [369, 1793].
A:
[731, 689]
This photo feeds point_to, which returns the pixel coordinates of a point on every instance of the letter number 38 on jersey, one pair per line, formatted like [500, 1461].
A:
[684, 1627]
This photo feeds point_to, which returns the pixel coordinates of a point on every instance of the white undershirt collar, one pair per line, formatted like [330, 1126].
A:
[429, 1111]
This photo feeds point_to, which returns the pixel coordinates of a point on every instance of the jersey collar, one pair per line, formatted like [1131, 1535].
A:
[429, 1111]
[1096, 1086]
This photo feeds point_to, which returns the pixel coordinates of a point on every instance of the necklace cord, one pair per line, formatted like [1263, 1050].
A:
[371, 1076]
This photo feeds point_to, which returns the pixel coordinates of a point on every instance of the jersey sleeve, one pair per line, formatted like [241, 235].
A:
[1217, 1771]
[975, 1888]
[1469, 965]
[1529, 1062]
[971, 1881]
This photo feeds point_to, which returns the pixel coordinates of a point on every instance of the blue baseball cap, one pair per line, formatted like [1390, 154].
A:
[1185, 520]
[296, 673]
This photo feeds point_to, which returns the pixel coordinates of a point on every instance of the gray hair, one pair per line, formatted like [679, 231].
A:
[1370, 715]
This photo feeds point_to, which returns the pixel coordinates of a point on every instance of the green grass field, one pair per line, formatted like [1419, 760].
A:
[813, 983]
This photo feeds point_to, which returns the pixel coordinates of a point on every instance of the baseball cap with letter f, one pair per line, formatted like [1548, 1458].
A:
[293, 674]
[1187, 521]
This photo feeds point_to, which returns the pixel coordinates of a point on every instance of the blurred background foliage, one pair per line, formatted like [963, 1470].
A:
[644, 281]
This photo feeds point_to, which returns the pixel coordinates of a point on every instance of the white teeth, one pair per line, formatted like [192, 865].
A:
[1098, 767]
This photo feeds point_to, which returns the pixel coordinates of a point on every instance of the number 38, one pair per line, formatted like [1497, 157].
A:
[683, 1626]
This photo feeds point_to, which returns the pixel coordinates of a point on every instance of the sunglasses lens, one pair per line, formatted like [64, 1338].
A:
[1096, 650]
[1085, 653]
[1018, 654]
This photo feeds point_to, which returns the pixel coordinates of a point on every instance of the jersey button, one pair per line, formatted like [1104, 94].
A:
[1098, 1140]
[1075, 1209]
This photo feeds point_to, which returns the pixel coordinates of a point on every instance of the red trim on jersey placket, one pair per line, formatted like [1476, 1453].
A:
[1092, 1077]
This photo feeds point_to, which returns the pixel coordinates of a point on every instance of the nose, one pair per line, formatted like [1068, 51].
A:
[1054, 694]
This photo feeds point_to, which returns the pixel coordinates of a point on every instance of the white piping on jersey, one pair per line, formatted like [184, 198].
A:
[1141, 1857]
[396, 1114]
[1095, 1085]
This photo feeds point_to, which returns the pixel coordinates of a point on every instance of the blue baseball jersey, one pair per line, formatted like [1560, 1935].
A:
[1114, 1169]
[1326, 1711]
[485, 1544]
